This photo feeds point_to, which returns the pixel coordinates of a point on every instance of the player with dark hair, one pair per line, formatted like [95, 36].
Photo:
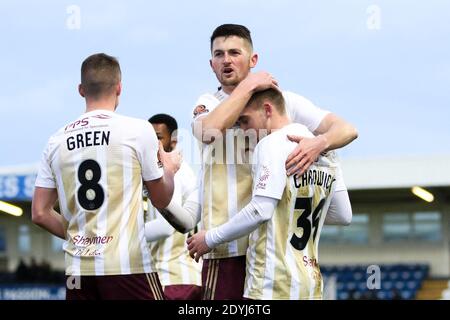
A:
[179, 274]
[214, 122]
[284, 216]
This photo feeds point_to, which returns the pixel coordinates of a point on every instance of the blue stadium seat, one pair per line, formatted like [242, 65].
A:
[394, 275]
[407, 294]
[406, 275]
[362, 286]
[387, 284]
[343, 295]
[398, 281]
[350, 286]
[358, 276]
[384, 294]
[399, 285]
[419, 275]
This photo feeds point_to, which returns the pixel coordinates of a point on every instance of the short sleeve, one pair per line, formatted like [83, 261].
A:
[303, 111]
[147, 152]
[204, 104]
[45, 177]
[187, 180]
[269, 172]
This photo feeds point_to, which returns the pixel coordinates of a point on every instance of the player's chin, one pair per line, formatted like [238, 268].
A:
[232, 81]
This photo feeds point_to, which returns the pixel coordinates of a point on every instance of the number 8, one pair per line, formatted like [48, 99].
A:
[90, 194]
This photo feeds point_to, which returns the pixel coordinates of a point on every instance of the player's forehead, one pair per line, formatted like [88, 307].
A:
[160, 128]
[229, 43]
[249, 111]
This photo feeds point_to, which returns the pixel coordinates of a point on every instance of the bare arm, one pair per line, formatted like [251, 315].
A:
[227, 113]
[43, 214]
[332, 133]
[161, 190]
[336, 132]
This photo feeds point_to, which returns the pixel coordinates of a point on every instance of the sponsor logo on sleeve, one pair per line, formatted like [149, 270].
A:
[199, 110]
[262, 181]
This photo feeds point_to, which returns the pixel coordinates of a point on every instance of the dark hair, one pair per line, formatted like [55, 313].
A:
[169, 121]
[228, 30]
[273, 95]
[99, 74]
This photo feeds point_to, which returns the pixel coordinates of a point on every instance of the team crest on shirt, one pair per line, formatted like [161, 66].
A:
[199, 110]
[263, 178]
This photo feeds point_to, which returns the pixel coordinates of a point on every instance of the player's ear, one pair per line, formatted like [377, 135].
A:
[81, 90]
[210, 64]
[119, 89]
[268, 109]
[253, 60]
[173, 144]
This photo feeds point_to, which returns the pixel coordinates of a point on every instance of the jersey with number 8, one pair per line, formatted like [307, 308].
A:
[97, 163]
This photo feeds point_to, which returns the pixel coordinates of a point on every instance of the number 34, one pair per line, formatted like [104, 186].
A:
[305, 223]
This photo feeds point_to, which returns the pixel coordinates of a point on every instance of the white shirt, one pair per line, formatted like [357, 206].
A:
[97, 164]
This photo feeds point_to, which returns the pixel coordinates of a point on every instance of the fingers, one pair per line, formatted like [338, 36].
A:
[295, 138]
[295, 165]
[191, 247]
[294, 158]
[275, 86]
[300, 168]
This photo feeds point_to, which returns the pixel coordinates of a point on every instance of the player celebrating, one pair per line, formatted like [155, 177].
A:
[179, 274]
[95, 165]
[285, 215]
[232, 59]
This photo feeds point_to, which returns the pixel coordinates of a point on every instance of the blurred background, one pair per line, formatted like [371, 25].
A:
[382, 65]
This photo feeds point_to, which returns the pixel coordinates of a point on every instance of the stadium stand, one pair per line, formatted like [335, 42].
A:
[397, 281]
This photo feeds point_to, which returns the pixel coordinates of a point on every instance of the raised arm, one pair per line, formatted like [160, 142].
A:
[161, 190]
[226, 114]
[332, 133]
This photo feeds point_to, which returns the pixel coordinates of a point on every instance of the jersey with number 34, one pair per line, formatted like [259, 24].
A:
[282, 258]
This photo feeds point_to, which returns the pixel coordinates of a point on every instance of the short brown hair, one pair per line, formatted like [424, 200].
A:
[273, 95]
[99, 74]
[228, 30]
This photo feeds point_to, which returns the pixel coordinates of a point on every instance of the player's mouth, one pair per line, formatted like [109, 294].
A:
[227, 71]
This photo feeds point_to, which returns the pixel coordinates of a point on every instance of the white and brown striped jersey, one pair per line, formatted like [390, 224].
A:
[174, 265]
[97, 164]
[282, 258]
[225, 175]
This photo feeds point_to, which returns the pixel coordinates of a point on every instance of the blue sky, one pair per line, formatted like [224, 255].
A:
[382, 65]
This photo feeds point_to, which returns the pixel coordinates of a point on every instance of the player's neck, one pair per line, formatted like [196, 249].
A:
[228, 89]
[108, 104]
[279, 123]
